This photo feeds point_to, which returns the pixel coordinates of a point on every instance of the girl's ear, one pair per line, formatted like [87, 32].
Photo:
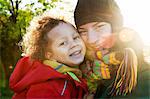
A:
[48, 55]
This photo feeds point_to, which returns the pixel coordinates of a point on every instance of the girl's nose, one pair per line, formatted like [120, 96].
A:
[73, 44]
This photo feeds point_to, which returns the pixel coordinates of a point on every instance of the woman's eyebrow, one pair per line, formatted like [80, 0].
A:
[94, 25]
[97, 24]
[82, 29]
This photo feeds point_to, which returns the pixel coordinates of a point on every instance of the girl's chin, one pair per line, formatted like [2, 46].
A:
[77, 61]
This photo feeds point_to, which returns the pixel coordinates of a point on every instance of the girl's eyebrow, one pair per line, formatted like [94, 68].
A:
[60, 39]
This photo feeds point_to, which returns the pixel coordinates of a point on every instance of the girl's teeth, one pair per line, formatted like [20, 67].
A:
[75, 53]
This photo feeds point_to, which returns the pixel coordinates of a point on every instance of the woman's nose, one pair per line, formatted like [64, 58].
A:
[92, 36]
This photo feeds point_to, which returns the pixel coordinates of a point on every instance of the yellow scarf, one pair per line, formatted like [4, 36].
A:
[73, 72]
[126, 75]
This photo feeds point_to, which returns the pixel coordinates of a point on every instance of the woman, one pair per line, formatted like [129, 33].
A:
[100, 25]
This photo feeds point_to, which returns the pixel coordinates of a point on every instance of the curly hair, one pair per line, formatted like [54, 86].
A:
[35, 40]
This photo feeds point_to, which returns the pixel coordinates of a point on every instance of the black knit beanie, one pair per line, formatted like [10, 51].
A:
[98, 11]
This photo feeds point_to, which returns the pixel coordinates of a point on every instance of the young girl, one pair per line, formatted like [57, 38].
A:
[53, 50]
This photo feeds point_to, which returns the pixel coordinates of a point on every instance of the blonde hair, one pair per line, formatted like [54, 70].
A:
[35, 40]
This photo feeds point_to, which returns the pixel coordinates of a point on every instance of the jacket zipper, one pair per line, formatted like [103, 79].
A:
[65, 85]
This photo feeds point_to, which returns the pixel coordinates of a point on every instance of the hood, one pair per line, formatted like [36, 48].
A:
[28, 72]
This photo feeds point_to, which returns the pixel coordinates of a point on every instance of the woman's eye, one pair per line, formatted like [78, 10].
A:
[98, 29]
[83, 34]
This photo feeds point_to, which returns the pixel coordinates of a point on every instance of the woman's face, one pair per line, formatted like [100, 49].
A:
[96, 35]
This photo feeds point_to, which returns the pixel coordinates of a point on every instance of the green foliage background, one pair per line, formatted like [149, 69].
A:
[13, 23]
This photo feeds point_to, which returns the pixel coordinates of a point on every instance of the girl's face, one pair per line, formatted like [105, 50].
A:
[95, 34]
[66, 45]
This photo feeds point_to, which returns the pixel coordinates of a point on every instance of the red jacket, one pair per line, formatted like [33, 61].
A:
[36, 80]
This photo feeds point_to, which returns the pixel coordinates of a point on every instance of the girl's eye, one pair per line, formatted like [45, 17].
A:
[63, 43]
[76, 37]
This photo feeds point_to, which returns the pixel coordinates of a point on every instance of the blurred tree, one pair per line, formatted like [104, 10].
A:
[13, 23]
